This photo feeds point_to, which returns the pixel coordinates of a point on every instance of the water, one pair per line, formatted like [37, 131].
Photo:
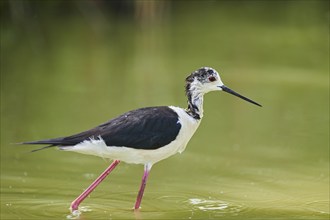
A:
[63, 75]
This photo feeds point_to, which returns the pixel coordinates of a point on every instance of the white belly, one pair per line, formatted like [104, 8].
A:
[97, 147]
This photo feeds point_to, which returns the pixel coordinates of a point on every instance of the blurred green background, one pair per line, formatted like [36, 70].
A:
[67, 66]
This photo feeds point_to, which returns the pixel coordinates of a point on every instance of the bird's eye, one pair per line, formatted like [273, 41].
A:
[212, 79]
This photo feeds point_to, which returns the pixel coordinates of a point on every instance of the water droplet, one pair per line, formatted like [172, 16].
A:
[74, 215]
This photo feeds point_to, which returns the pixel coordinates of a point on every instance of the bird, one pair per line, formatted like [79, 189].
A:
[146, 135]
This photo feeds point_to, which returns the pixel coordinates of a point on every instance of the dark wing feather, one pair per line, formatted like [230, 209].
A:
[145, 128]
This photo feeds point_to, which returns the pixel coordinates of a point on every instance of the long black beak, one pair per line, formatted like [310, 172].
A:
[226, 89]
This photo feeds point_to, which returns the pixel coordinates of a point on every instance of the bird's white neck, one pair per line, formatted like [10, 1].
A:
[195, 100]
[195, 107]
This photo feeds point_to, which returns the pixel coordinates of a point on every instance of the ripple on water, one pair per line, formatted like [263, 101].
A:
[216, 207]
[164, 204]
[204, 204]
[321, 207]
[35, 208]
[198, 205]
[76, 213]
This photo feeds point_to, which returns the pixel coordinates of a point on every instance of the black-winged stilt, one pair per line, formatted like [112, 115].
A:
[146, 135]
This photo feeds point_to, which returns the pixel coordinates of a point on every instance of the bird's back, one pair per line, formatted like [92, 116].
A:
[145, 128]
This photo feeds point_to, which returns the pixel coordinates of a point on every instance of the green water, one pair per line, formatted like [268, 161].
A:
[62, 73]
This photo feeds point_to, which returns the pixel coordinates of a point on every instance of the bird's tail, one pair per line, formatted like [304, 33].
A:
[50, 143]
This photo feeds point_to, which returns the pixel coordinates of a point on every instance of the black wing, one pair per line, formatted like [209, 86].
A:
[144, 128]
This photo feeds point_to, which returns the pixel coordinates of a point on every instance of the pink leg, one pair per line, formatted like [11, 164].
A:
[79, 199]
[147, 168]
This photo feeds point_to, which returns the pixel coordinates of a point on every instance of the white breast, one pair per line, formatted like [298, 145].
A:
[97, 147]
[188, 127]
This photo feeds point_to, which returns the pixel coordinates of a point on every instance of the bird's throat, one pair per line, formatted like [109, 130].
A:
[195, 105]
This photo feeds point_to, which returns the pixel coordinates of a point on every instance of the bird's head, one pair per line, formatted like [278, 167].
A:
[207, 79]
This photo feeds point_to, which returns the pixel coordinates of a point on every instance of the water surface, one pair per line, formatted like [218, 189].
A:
[64, 74]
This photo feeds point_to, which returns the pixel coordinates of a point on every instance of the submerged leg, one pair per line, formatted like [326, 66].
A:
[147, 168]
[79, 199]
